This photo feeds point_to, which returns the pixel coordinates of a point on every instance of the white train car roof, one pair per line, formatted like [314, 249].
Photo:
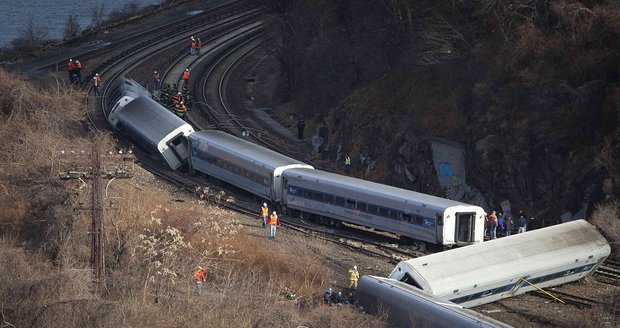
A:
[154, 125]
[504, 259]
[124, 86]
[244, 149]
[375, 189]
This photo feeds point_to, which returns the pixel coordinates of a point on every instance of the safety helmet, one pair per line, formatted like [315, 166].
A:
[200, 267]
[265, 204]
[155, 72]
[329, 290]
[70, 59]
[187, 69]
[274, 212]
[96, 74]
[355, 267]
[339, 293]
[179, 92]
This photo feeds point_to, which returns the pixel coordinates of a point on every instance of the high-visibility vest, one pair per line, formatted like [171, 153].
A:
[186, 75]
[71, 66]
[273, 220]
[79, 65]
[265, 211]
[96, 80]
[199, 275]
[347, 161]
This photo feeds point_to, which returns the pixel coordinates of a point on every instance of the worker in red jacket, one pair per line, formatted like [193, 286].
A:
[186, 76]
[274, 222]
[70, 69]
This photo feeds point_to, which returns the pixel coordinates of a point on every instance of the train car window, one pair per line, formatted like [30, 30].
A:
[362, 207]
[318, 196]
[350, 203]
[339, 201]
[417, 220]
[439, 220]
[307, 194]
[329, 199]
[384, 212]
[372, 209]
[406, 218]
[394, 214]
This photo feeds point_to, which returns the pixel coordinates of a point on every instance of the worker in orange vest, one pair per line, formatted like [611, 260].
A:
[264, 214]
[96, 83]
[180, 109]
[274, 222]
[70, 69]
[186, 76]
[199, 277]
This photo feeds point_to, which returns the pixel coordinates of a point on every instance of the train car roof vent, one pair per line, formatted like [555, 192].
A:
[455, 291]
[425, 264]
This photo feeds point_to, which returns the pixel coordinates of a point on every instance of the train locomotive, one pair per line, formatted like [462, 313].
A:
[291, 185]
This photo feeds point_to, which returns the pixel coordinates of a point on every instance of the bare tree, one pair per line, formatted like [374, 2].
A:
[96, 14]
[72, 27]
[31, 36]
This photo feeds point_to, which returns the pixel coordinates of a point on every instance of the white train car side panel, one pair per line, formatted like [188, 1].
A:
[241, 163]
[408, 306]
[411, 214]
[501, 268]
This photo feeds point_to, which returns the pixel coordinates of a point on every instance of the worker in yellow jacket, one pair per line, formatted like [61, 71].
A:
[354, 276]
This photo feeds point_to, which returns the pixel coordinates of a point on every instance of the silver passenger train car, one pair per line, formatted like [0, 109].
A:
[408, 213]
[135, 114]
[240, 163]
[407, 306]
[509, 266]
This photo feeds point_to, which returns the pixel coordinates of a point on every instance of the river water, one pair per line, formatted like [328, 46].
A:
[51, 15]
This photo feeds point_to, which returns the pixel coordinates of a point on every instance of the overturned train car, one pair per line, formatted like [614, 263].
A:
[407, 306]
[153, 127]
[509, 266]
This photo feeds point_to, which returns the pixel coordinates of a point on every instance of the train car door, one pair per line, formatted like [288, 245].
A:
[465, 223]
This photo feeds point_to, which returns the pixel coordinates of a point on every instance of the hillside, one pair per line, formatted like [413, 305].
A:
[530, 88]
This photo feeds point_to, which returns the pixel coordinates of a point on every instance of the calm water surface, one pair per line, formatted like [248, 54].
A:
[52, 15]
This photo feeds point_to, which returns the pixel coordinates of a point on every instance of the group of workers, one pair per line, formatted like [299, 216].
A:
[331, 298]
[74, 68]
[272, 220]
[195, 46]
[497, 225]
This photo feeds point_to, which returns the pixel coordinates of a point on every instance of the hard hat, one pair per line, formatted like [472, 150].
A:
[154, 72]
[199, 267]
[187, 69]
[70, 59]
[355, 267]
[265, 204]
[339, 293]
[274, 212]
[179, 92]
[96, 74]
[329, 289]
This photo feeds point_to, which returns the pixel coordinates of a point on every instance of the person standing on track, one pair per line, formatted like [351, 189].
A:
[78, 71]
[274, 222]
[185, 77]
[354, 276]
[96, 84]
[192, 47]
[70, 69]
[264, 213]
[199, 277]
[198, 46]
[157, 80]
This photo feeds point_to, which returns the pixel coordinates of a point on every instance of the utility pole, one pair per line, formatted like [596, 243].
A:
[95, 166]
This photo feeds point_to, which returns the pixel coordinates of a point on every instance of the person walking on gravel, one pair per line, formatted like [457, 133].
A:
[199, 276]
[354, 276]
[264, 214]
[274, 222]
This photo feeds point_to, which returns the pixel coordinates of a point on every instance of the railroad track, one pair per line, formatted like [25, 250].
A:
[609, 272]
[578, 301]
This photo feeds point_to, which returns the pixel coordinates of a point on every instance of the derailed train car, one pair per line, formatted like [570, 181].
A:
[240, 163]
[407, 306]
[408, 213]
[135, 114]
[509, 266]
